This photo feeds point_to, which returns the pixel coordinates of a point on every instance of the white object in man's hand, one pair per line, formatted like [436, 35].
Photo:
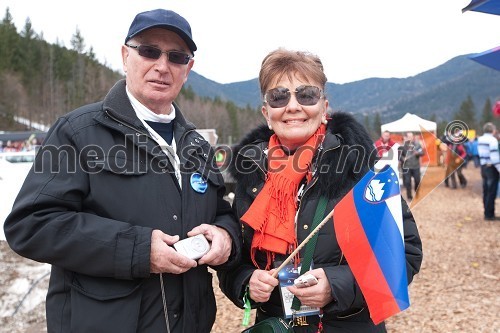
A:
[220, 244]
[193, 247]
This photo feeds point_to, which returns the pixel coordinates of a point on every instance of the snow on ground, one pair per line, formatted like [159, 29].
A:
[12, 176]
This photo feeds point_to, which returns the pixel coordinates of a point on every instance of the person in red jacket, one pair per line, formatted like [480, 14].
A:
[384, 143]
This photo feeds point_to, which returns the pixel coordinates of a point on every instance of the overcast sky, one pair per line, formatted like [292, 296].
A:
[355, 39]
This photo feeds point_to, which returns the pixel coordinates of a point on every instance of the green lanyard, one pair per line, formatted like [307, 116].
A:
[248, 308]
[311, 245]
[306, 262]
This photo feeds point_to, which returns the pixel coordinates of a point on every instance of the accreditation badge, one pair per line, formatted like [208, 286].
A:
[286, 277]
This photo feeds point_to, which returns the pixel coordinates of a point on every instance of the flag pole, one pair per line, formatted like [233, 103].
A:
[304, 242]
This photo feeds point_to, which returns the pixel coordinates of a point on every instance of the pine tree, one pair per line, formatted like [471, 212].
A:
[366, 122]
[9, 41]
[232, 111]
[77, 42]
[377, 124]
[487, 115]
[466, 113]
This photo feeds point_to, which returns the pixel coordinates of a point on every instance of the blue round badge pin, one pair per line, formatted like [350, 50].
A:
[198, 183]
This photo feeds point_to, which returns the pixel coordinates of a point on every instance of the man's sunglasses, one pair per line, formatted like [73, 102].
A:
[305, 95]
[152, 52]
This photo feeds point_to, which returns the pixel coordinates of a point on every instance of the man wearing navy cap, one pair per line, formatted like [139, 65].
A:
[115, 186]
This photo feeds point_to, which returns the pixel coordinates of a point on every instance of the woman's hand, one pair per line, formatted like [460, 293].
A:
[318, 295]
[261, 285]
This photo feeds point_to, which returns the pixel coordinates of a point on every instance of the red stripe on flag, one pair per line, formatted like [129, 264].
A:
[362, 261]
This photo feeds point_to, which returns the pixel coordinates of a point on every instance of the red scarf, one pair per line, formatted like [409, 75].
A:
[272, 213]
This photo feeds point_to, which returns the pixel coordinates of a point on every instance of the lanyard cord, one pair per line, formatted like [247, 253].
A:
[168, 149]
[311, 245]
[165, 310]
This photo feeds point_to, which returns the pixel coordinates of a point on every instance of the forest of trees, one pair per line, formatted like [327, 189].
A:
[230, 121]
[41, 81]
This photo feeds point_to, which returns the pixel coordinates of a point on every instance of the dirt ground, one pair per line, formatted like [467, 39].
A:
[457, 289]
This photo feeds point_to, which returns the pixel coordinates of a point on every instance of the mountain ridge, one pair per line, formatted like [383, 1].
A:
[436, 92]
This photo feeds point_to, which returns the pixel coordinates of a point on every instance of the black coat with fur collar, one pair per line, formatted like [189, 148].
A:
[345, 156]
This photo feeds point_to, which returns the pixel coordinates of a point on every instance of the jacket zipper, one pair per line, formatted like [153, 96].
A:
[127, 125]
[162, 287]
[284, 323]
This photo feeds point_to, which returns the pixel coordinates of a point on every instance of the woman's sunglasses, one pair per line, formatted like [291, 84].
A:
[305, 95]
[152, 52]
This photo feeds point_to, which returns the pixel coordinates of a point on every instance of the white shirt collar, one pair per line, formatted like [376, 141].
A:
[144, 113]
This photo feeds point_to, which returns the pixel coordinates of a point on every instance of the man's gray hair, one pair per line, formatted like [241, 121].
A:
[489, 128]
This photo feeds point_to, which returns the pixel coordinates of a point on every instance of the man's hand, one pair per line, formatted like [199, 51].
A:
[220, 247]
[164, 258]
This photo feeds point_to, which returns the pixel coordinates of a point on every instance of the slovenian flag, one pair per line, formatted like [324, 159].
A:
[368, 223]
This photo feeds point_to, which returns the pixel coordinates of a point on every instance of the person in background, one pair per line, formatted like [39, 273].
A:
[468, 151]
[283, 170]
[116, 184]
[474, 152]
[410, 163]
[384, 143]
[489, 158]
[10, 147]
[456, 157]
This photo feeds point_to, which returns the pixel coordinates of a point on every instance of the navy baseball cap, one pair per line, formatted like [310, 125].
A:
[162, 18]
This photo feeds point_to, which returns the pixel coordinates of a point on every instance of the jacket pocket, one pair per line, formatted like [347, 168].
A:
[104, 304]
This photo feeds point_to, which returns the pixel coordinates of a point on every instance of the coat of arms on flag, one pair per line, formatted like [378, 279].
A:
[380, 186]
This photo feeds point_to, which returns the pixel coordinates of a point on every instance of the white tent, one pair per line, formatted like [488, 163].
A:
[409, 123]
